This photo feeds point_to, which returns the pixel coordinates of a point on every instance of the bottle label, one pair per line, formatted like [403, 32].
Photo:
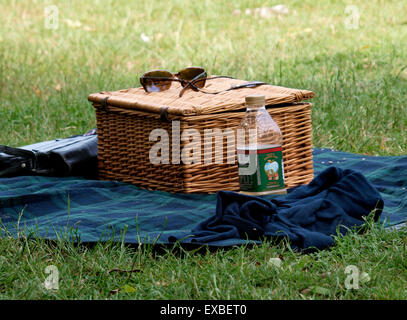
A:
[261, 169]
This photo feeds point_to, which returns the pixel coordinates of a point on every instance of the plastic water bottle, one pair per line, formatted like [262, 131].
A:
[259, 150]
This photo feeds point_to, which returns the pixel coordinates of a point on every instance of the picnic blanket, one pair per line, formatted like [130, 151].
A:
[90, 210]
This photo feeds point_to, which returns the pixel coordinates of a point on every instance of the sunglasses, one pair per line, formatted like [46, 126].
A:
[161, 80]
[191, 77]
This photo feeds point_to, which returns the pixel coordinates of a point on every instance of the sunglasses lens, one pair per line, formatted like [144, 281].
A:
[200, 83]
[193, 73]
[156, 81]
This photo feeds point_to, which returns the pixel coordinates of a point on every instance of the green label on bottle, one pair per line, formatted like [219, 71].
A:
[261, 169]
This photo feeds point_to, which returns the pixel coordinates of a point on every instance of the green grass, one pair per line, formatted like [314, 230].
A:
[359, 77]
[99, 272]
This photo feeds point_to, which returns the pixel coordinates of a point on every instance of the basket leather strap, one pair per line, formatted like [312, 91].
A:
[164, 114]
[104, 102]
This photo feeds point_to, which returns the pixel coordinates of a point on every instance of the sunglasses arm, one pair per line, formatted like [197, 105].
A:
[190, 84]
[250, 84]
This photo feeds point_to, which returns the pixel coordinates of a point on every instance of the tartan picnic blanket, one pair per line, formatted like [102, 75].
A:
[90, 210]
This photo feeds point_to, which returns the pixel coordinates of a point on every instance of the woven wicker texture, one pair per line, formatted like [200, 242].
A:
[127, 118]
[198, 103]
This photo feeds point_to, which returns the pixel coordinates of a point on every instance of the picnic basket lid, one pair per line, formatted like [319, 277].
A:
[197, 103]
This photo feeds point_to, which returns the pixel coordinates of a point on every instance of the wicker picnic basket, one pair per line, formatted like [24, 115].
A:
[126, 118]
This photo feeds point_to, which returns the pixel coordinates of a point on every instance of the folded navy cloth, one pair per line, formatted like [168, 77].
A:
[336, 200]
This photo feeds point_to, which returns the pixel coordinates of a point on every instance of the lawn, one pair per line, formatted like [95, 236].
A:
[353, 55]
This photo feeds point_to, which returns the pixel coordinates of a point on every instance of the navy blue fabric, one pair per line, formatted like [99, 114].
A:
[307, 216]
